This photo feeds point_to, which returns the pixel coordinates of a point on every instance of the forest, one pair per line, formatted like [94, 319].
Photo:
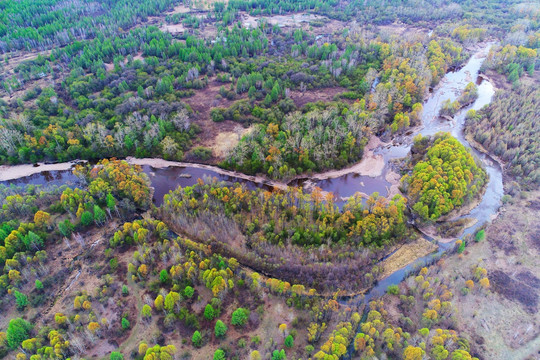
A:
[274, 231]
[445, 176]
[227, 180]
[507, 129]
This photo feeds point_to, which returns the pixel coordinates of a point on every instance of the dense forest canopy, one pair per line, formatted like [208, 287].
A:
[445, 176]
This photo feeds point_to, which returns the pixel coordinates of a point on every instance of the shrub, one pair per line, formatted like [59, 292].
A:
[201, 153]
[480, 236]
[115, 355]
[393, 290]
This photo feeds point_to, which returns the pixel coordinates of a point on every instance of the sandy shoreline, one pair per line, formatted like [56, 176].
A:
[370, 165]
[8, 172]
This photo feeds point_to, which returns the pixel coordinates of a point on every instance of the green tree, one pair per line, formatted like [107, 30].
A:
[163, 276]
[99, 215]
[188, 292]
[111, 201]
[115, 355]
[289, 341]
[219, 355]
[279, 355]
[21, 300]
[87, 218]
[125, 324]
[18, 330]
[239, 317]
[209, 312]
[196, 339]
[220, 329]
[38, 285]
[65, 227]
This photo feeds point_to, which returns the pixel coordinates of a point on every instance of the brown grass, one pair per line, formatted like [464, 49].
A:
[405, 255]
[503, 323]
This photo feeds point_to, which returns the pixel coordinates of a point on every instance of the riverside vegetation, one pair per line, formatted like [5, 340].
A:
[93, 269]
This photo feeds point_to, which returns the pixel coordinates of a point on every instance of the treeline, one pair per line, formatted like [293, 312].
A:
[444, 176]
[314, 141]
[508, 129]
[275, 231]
[496, 13]
[115, 103]
[45, 24]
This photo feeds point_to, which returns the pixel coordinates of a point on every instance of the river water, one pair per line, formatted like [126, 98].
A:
[169, 178]
[450, 88]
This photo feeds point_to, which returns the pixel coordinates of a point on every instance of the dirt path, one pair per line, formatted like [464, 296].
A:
[135, 332]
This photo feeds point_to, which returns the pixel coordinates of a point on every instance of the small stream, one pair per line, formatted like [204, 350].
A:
[451, 88]
[169, 178]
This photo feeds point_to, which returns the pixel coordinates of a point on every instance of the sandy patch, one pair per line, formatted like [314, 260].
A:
[406, 255]
[293, 20]
[394, 179]
[173, 28]
[226, 141]
[18, 171]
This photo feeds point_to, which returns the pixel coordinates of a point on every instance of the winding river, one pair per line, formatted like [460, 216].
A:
[166, 176]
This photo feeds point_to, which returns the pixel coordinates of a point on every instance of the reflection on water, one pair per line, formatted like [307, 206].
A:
[348, 185]
[167, 179]
[57, 177]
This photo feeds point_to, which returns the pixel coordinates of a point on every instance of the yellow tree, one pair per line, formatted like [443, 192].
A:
[42, 218]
